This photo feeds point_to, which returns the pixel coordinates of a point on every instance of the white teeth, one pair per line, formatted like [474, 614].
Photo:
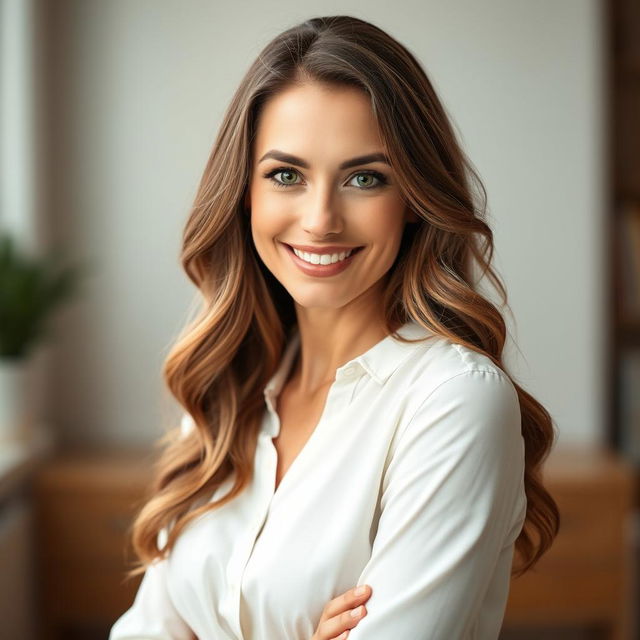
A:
[325, 258]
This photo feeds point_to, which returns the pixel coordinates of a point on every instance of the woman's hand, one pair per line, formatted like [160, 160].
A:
[336, 619]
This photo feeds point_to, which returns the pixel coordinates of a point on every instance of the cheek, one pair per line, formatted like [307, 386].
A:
[262, 231]
[385, 224]
[267, 217]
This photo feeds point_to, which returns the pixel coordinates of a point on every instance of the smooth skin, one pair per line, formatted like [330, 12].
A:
[339, 317]
[337, 619]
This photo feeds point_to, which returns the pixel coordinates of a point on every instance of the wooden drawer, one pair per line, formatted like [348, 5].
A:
[87, 593]
[565, 595]
[85, 526]
[593, 524]
[584, 579]
[85, 506]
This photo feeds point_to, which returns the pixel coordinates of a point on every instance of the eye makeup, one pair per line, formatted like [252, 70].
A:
[381, 178]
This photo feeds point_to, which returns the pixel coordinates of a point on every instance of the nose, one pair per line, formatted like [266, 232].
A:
[321, 215]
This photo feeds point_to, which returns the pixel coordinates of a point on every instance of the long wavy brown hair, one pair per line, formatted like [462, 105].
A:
[220, 362]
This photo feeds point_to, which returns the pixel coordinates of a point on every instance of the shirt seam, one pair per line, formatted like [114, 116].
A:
[457, 375]
[422, 346]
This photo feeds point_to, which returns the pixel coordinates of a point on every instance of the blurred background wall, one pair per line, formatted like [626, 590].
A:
[131, 95]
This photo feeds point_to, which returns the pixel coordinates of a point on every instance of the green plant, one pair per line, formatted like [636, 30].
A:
[30, 289]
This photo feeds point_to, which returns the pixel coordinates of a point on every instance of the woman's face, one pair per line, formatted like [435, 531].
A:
[313, 202]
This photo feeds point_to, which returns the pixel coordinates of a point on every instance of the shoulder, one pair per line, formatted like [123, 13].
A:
[462, 428]
[437, 361]
[453, 385]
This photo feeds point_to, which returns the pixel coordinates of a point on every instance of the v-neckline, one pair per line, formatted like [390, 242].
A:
[308, 443]
[275, 387]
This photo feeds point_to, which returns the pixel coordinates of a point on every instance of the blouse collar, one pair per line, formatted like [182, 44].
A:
[379, 361]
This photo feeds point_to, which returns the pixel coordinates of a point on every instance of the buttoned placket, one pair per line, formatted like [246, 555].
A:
[259, 500]
[340, 394]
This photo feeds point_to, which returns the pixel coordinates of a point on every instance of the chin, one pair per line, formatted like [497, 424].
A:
[320, 301]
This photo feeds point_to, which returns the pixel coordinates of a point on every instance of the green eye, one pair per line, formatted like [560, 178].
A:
[366, 179]
[285, 179]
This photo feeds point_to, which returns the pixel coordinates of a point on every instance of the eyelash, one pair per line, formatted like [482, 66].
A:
[380, 177]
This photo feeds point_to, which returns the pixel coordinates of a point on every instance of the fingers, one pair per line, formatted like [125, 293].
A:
[342, 614]
[348, 600]
[339, 626]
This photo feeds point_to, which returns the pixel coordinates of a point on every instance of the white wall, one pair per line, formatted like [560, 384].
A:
[21, 134]
[137, 89]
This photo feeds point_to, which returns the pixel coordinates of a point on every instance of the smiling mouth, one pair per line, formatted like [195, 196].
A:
[299, 253]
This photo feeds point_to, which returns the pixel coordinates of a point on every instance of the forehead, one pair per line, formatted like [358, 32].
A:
[316, 118]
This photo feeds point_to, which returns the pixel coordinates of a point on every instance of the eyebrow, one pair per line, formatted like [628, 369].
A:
[354, 162]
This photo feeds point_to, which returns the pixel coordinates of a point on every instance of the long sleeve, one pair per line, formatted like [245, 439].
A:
[152, 616]
[451, 496]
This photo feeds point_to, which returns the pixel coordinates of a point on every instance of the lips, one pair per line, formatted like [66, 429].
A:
[322, 270]
[323, 250]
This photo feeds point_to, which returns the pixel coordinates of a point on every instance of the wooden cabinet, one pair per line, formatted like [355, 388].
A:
[84, 506]
[586, 578]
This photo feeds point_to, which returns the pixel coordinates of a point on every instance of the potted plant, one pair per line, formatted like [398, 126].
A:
[30, 290]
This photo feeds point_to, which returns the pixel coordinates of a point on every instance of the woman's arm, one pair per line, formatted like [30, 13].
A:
[451, 495]
[152, 615]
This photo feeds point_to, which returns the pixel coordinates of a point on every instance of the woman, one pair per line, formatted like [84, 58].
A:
[349, 421]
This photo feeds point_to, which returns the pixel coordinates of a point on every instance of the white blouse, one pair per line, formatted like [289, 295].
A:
[412, 482]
